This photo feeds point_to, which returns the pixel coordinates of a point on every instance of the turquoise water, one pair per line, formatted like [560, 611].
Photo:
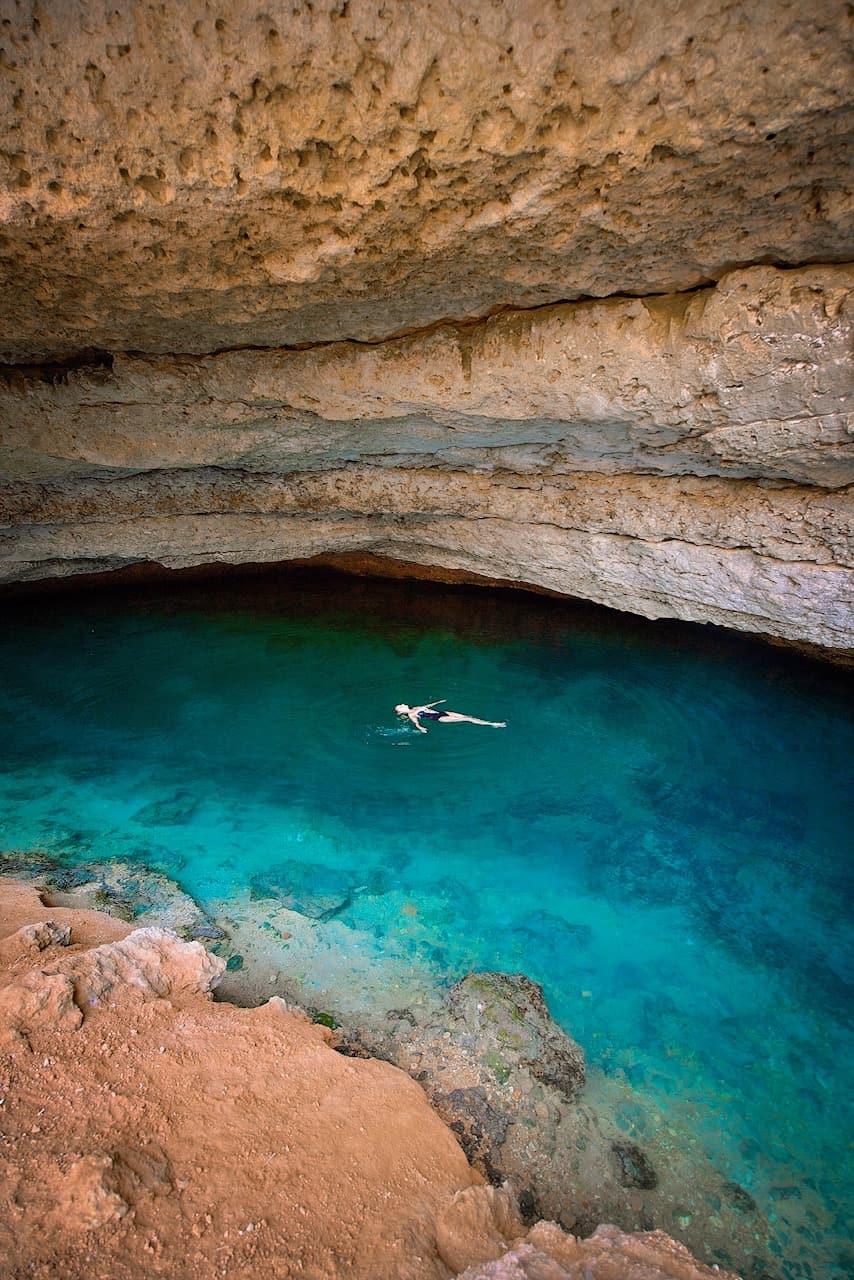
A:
[661, 836]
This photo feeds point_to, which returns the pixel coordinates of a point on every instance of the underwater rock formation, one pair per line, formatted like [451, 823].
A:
[509, 1083]
[132, 892]
[320, 285]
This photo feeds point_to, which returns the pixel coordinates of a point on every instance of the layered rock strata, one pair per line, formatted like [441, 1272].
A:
[684, 456]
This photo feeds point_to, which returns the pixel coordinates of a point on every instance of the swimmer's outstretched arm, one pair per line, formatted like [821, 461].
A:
[413, 716]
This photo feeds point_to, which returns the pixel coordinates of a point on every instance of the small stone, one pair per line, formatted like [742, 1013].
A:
[47, 933]
[739, 1198]
[633, 1167]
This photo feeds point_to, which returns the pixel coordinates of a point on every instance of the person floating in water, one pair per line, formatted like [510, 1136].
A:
[429, 712]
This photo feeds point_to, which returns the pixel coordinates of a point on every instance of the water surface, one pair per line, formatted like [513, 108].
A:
[661, 835]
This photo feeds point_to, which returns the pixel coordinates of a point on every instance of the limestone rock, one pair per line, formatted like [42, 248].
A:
[130, 891]
[476, 1225]
[488, 1057]
[506, 1018]
[40, 936]
[633, 1166]
[87, 1199]
[299, 173]
[750, 379]
[153, 960]
[679, 457]
[609, 1254]
[531, 293]
[39, 1001]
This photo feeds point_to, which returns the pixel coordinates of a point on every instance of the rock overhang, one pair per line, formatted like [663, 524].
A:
[303, 285]
[176, 180]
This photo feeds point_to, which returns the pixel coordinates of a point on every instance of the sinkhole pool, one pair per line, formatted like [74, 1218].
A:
[661, 835]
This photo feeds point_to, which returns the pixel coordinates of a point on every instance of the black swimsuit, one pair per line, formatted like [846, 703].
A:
[430, 714]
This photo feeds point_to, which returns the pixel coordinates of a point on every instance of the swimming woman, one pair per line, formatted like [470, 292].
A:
[429, 712]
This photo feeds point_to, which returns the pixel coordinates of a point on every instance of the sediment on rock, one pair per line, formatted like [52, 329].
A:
[505, 1078]
[155, 1123]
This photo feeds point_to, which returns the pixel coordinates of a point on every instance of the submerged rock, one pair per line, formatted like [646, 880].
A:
[509, 1020]
[634, 1169]
[480, 1127]
[172, 811]
[739, 1198]
[129, 891]
[313, 889]
[491, 1058]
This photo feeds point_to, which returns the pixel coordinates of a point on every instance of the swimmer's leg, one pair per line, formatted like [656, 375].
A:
[456, 718]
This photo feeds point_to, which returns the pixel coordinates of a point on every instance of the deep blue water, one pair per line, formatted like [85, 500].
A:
[661, 836]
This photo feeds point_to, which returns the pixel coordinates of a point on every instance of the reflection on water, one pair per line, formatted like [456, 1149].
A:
[660, 836]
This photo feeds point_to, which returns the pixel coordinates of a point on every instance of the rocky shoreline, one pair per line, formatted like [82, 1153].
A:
[492, 1062]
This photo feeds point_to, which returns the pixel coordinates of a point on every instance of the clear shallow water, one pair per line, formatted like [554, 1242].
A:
[661, 836]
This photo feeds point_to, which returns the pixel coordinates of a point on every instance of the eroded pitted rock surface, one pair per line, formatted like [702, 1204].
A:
[609, 1254]
[506, 1020]
[486, 1057]
[299, 172]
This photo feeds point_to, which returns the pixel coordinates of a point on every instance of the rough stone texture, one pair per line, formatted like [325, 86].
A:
[187, 177]
[39, 999]
[683, 456]
[40, 936]
[87, 1199]
[488, 1216]
[131, 892]
[751, 378]
[609, 1254]
[487, 1057]
[506, 1019]
[508, 1081]
[204, 1139]
[154, 961]
[211, 186]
